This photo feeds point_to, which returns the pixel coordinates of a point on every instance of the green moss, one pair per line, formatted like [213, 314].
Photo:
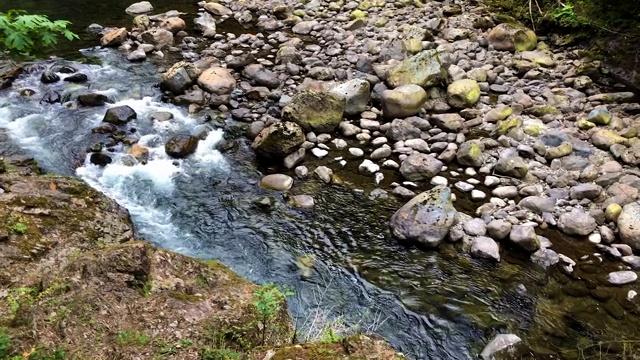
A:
[505, 126]
[365, 5]
[132, 338]
[532, 130]
[357, 14]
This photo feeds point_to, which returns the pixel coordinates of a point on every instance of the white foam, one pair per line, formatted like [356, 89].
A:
[207, 155]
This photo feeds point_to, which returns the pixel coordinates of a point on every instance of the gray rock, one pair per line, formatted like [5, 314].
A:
[278, 182]
[505, 192]
[159, 38]
[622, 277]
[629, 225]
[206, 24]
[119, 115]
[295, 158]
[403, 101]
[513, 166]
[538, 204]
[260, 76]
[525, 237]
[324, 173]
[632, 261]
[470, 153]
[138, 8]
[545, 258]
[448, 122]
[585, 191]
[424, 69]
[278, 140]
[419, 167]
[498, 344]
[402, 130]
[475, 227]
[356, 93]
[426, 219]
[381, 153]
[577, 222]
[303, 201]
[485, 248]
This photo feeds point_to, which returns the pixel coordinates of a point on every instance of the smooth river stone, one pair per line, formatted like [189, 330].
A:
[622, 277]
[278, 182]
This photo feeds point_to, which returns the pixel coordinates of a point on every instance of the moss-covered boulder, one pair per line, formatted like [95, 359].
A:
[605, 138]
[278, 140]
[512, 37]
[559, 151]
[315, 111]
[507, 125]
[424, 69]
[463, 93]
[470, 154]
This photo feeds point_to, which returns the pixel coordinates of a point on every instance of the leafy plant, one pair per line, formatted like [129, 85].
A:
[23, 33]
[219, 354]
[5, 345]
[19, 297]
[132, 338]
[268, 300]
[18, 228]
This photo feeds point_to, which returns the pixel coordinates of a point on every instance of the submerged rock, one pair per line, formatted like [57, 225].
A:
[426, 219]
[498, 344]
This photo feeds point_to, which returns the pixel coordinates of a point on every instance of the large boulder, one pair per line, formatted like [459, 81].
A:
[356, 93]
[424, 69]
[159, 38]
[114, 37]
[180, 146]
[119, 115]
[463, 93]
[420, 166]
[629, 225]
[315, 111]
[426, 219]
[179, 77]
[525, 237]
[512, 37]
[217, 80]
[278, 140]
[577, 222]
[403, 101]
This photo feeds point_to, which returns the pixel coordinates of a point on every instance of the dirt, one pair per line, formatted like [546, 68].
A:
[76, 284]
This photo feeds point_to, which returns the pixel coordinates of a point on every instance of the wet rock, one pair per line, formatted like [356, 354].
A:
[512, 37]
[137, 55]
[278, 182]
[303, 201]
[513, 166]
[470, 154]
[49, 77]
[577, 222]
[217, 80]
[475, 227]
[545, 258]
[181, 146]
[420, 166]
[294, 158]
[114, 38]
[161, 116]
[315, 111]
[324, 173]
[77, 78]
[403, 101]
[632, 261]
[217, 9]
[424, 69]
[463, 93]
[356, 93]
[173, 25]
[278, 140]
[622, 277]
[92, 99]
[179, 77]
[104, 128]
[51, 97]
[629, 225]
[260, 76]
[206, 24]
[100, 159]
[138, 8]
[159, 38]
[139, 152]
[425, 219]
[525, 237]
[499, 343]
[119, 115]
[485, 248]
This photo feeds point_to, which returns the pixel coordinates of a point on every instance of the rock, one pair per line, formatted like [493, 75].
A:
[477, 195]
[179, 77]
[356, 93]
[304, 27]
[278, 140]
[261, 77]
[319, 112]
[448, 122]
[498, 344]
[205, 23]
[505, 192]
[100, 159]
[303, 201]
[419, 167]
[217, 80]
[403, 101]
[612, 212]
[294, 158]
[278, 182]
[324, 173]
[538, 204]
[92, 99]
[603, 139]
[137, 55]
[425, 219]
[499, 229]
[181, 146]
[470, 154]
[76, 78]
[475, 227]
[512, 37]
[632, 261]
[119, 115]
[139, 152]
[622, 277]
[513, 166]
[368, 167]
[629, 225]
[159, 38]
[463, 93]
[49, 77]
[114, 38]
[51, 97]
[173, 24]
[424, 69]
[217, 9]
[525, 237]
[381, 153]
[545, 258]
[600, 116]
[585, 191]
[138, 8]
[556, 152]
[485, 248]
[577, 222]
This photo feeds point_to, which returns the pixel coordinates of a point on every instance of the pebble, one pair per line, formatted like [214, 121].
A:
[595, 238]
[357, 152]
[491, 181]
[478, 195]
[319, 153]
[622, 277]
[439, 180]
[463, 186]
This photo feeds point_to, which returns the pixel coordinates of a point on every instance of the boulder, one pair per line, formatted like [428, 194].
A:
[278, 182]
[629, 225]
[138, 8]
[463, 93]
[159, 38]
[356, 93]
[217, 9]
[278, 140]
[181, 146]
[179, 77]
[315, 111]
[603, 139]
[577, 222]
[426, 219]
[424, 69]
[49, 77]
[420, 166]
[513, 166]
[119, 115]
[470, 154]
[173, 24]
[217, 80]
[600, 116]
[512, 37]
[100, 159]
[206, 24]
[448, 122]
[114, 37]
[92, 99]
[525, 237]
[403, 101]
[499, 229]
[260, 76]
[485, 248]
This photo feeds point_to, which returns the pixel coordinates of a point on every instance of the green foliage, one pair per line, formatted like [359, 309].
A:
[5, 344]
[219, 354]
[131, 338]
[565, 15]
[18, 228]
[46, 354]
[19, 297]
[268, 301]
[23, 33]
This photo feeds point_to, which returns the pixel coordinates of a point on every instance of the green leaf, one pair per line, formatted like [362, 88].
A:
[49, 39]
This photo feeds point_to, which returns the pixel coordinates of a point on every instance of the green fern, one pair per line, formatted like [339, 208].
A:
[23, 33]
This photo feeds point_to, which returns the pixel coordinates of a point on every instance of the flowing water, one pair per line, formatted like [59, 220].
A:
[427, 304]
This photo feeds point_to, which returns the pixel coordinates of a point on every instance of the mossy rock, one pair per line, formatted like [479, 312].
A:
[504, 126]
[543, 110]
[559, 151]
[357, 15]
[463, 93]
[512, 37]
[424, 69]
[315, 111]
[532, 130]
